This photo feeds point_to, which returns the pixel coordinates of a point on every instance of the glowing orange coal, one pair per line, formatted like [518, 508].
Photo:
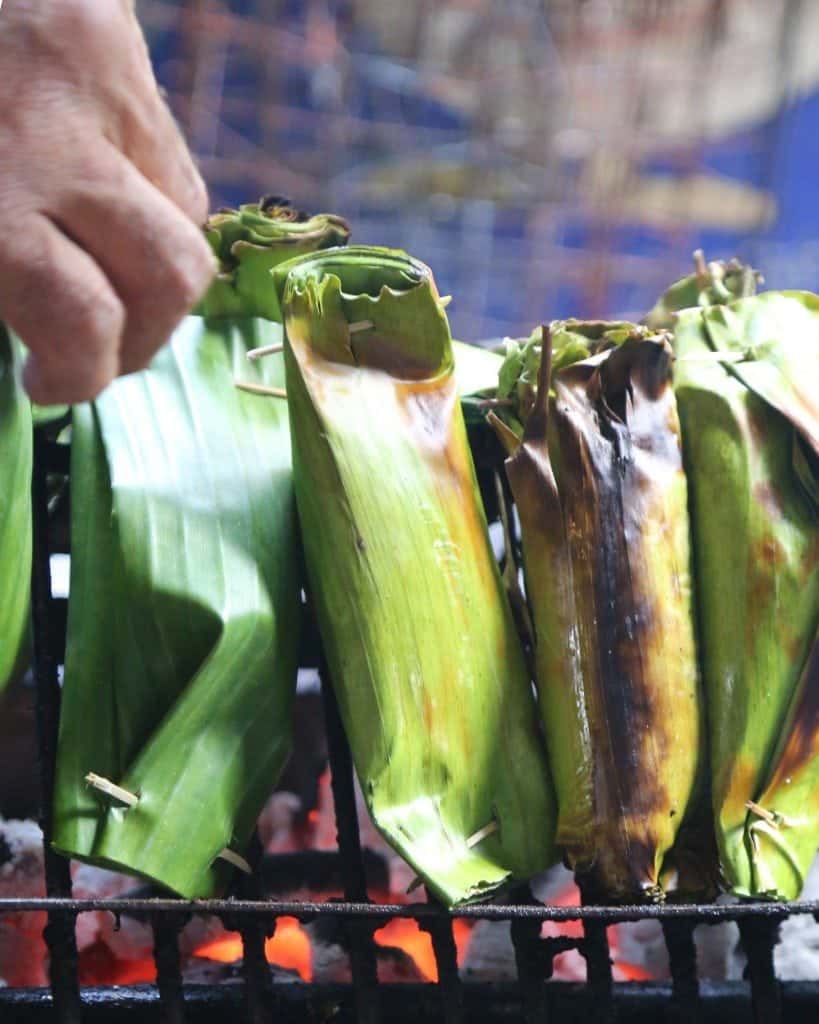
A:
[98, 965]
[403, 933]
[289, 948]
[570, 966]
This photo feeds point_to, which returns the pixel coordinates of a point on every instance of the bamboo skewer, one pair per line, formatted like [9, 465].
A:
[236, 860]
[265, 350]
[108, 788]
[359, 325]
[260, 389]
[489, 829]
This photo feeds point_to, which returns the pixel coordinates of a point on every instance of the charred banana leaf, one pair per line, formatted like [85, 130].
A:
[600, 490]
[711, 284]
[746, 384]
[425, 660]
[183, 619]
[250, 241]
[571, 342]
[15, 509]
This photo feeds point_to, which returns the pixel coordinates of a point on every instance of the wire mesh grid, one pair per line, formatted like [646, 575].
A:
[546, 158]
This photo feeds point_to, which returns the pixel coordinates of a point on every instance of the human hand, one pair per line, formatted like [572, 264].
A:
[101, 255]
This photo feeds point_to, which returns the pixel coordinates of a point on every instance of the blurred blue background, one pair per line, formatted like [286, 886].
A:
[545, 157]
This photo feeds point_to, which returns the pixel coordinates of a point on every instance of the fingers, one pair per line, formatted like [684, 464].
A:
[153, 142]
[150, 137]
[156, 259]
[106, 254]
[63, 307]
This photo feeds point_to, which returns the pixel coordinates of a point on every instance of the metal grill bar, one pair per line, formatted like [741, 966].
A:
[723, 1003]
[305, 910]
[59, 933]
[682, 957]
[255, 972]
[759, 936]
[446, 959]
[363, 964]
[595, 949]
[530, 960]
[168, 967]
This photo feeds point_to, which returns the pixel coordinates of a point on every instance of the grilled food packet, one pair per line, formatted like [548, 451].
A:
[599, 486]
[15, 509]
[712, 284]
[425, 661]
[185, 597]
[747, 380]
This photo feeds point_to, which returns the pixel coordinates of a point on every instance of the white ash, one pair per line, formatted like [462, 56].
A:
[796, 958]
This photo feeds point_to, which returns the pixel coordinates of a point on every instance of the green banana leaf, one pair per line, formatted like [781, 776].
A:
[599, 486]
[15, 510]
[742, 379]
[782, 830]
[423, 653]
[777, 336]
[476, 369]
[250, 241]
[184, 610]
[711, 284]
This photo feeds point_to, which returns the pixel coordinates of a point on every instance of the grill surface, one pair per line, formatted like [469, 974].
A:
[450, 1000]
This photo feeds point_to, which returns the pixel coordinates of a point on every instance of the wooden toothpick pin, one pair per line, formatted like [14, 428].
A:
[265, 350]
[260, 389]
[103, 785]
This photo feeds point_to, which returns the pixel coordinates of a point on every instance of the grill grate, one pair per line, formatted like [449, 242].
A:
[367, 1001]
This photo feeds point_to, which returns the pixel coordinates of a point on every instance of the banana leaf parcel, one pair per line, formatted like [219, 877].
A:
[15, 509]
[427, 666]
[183, 617]
[746, 382]
[599, 486]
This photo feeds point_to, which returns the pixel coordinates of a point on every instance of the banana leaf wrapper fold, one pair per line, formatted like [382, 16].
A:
[746, 383]
[427, 666]
[183, 617]
[598, 482]
[250, 241]
[15, 509]
[712, 284]
[571, 341]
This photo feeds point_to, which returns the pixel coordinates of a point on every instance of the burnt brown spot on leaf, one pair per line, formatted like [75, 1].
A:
[802, 744]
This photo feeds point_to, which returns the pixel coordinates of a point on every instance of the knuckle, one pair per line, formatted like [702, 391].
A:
[190, 272]
[79, 19]
[100, 315]
[199, 201]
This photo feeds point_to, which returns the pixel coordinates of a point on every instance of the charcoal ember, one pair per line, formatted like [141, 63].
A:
[127, 939]
[491, 955]
[22, 949]
[331, 959]
[278, 819]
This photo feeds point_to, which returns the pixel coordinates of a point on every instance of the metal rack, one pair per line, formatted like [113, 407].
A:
[451, 1000]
